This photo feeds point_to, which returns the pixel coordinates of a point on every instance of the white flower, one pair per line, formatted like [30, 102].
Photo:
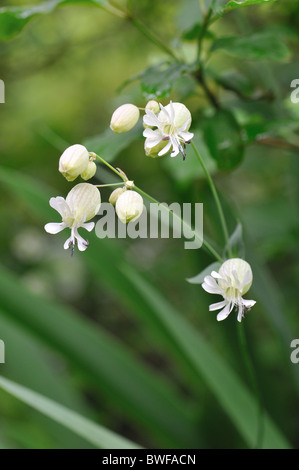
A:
[129, 206]
[173, 123]
[81, 204]
[73, 161]
[232, 281]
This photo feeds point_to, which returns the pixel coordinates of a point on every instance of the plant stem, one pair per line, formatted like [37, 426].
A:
[253, 379]
[203, 7]
[108, 165]
[151, 36]
[207, 245]
[107, 185]
[216, 199]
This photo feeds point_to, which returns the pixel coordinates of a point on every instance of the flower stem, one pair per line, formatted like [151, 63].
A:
[216, 199]
[206, 244]
[118, 173]
[253, 379]
[151, 36]
[107, 185]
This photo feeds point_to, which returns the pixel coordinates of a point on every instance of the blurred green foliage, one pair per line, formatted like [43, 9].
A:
[64, 75]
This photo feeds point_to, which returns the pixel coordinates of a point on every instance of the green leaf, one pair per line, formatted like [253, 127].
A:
[159, 80]
[199, 278]
[235, 4]
[104, 361]
[234, 397]
[236, 242]
[188, 345]
[195, 31]
[14, 19]
[54, 381]
[259, 46]
[92, 432]
[222, 135]
[108, 145]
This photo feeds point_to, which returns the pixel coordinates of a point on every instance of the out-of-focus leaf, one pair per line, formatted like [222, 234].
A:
[108, 145]
[92, 432]
[220, 378]
[199, 278]
[236, 242]
[14, 19]
[195, 31]
[259, 46]
[235, 4]
[222, 134]
[158, 81]
[55, 382]
[106, 363]
[235, 81]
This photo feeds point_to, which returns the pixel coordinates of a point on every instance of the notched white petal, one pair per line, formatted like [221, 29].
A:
[54, 227]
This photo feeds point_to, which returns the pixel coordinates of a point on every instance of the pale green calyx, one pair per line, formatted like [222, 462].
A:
[129, 206]
[124, 118]
[115, 195]
[89, 171]
[73, 161]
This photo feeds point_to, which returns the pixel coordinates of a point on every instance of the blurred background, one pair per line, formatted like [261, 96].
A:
[63, 75]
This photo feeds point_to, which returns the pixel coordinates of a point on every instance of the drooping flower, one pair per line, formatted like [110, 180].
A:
[232, 281]
[73, 161]
[172, 123]
[124, 118]
[129, 206]
[81, 204]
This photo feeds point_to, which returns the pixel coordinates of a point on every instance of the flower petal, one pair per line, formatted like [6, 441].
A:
[248, 303]
[165, 149]
[88, 226]
[54, 227]
[218, 305]
[60, 205]
[210, 289]
[225, 312]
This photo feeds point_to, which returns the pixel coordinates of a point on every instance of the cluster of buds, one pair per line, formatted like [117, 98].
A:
[76, 161]
[172, 124]
[128, 203]
[83, 201]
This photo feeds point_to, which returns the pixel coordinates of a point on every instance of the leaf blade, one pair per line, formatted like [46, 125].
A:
[92, 432]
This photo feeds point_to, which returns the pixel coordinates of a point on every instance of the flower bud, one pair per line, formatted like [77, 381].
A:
[153, 106]
[89, 171]
[84, 200]
[129, 206]
[73, 161]
[124, 118]
[115, 195]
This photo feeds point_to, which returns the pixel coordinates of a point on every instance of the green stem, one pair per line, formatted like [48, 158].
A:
[108, 185]
[207, 245]
[216, 199]
[253, 379]
[151, 36]
[108, 165]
